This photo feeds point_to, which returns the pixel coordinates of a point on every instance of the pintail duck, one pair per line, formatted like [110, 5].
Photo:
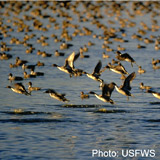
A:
[107, 90]
[71, 59]
[26, 76]
[125, 88]
[144, 87]
[155, 94]
[14, 78]
[67, 66]
[84, 96]
[57, 96]
[30, 88]
[119, 48]
[57, 53]
[24, 66]
[140, 46]
[4, 56]
[40, 64]
[96, 72]
[20, 62]
[91, 43]
[36, 73]
[154, 62]
[65, 46]
[82, 55]
[104, 55]
[155, 67]
[117, 69]
[19, 88]
[12, 65]
[44, 54]
[125, 57]
[140, 70]
[85, 48]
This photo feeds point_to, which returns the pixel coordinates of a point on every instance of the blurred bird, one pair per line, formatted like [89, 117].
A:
[96, 72]
[125, 57]
[107, 90]
[155, 94]
[57, 96]
[19, 88]
[125, 88]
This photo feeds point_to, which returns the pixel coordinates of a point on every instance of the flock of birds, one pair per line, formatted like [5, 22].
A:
[69, 67]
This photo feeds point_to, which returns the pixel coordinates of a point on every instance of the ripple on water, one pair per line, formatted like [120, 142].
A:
[34, 120]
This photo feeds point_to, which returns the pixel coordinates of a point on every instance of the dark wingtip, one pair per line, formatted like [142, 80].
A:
[91, 92]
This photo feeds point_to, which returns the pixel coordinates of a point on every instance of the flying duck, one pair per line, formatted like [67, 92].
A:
[19, 88]
[117, 69]
[96, 72]
[57, 96]
[155, 94]
[66, 67]
[125, 57]
[107, 90]
[125, 88]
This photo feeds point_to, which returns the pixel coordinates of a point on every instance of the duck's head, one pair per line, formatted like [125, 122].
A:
[10, 75]
[54, 65]
[8, 87]
[30, 83]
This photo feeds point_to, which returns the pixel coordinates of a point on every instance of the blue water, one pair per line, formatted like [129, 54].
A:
[39, 127]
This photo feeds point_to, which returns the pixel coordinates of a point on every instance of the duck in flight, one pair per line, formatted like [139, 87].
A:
[155, 94]
[125, 57]
[57, 96]
[19, 88]
[65, 68]
[117, 68]
[71, 59]
[96, 72]
[125, 88]
[107, 90]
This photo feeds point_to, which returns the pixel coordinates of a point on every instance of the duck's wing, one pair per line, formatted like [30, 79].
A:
[19, 86]
[97, 68]
[128, 80]
[66, 63]
[120, 67]
[126, 55]
[107, 89]
[71, 58]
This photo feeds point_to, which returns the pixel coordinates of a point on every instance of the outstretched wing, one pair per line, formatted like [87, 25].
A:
[97, 68]
[71, 58]
[19, 86]
[128, 80]
[126, 55]
[108, 89]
